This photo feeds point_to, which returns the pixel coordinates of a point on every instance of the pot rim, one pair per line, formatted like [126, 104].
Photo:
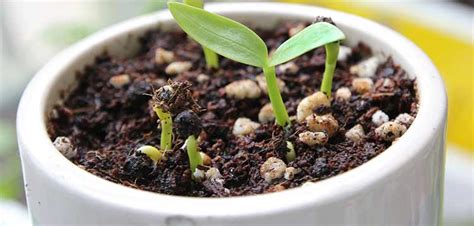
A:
[36, 144]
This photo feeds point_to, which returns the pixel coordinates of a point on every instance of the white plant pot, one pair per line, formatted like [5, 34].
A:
[403, 185]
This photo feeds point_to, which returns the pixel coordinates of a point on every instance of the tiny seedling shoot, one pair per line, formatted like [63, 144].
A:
[165, 119]
[188, 125]
[212, 60]
[176, 99]
[237, 42]
[152, 152]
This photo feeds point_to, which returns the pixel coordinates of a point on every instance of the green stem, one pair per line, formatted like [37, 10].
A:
[332, 50]
[281, 115]
[195, 3]
[166, 129]
[212, 60]
[193, 153]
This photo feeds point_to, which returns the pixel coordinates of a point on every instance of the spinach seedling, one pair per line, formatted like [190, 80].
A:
[212, 60]
[237, 42]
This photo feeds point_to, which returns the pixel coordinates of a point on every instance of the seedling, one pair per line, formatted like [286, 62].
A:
[290, 154]
[188, 124]
[212, 60]
[163, 94]
[170, 100]
[239, 43]
[152, 152]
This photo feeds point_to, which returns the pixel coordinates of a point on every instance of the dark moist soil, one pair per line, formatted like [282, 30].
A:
[108, 124]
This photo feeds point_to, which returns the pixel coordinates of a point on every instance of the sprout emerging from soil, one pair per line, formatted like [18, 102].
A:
[290, 154]
[152, 152]
[237, 42]
[332, 50]
[212, 60]
[188, 124]
[168, 100]
[165, 93]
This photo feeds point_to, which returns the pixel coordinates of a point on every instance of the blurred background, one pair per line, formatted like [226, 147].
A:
[33, 31]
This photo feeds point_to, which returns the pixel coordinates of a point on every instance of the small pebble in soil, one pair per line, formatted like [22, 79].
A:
[119, 81]
[244, 126]
[163, 56]
[201, 78]
[313, 138]
[199, 175]
[362, 85]
[289, 67]
[320, 167]
[404, 119]
[178, 67]
[272, 169]
[243, 89]
[290, 173]
[65, 146]
[388, 84]
[379, 118]
[294, 30]
[206, 160]
[368, 67]
[322, 123]
[389, 131]
[344, 52]
[343, 94]
[262, 83]
[266, 114]
[213, 175]
[356, 133]
[309, 103]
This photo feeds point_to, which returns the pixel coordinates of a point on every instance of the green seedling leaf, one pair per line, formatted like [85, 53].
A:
[222, 35]
[311, 37]
[212, 60]
[195, 3]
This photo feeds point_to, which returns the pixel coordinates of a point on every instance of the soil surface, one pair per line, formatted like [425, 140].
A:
[107, 123]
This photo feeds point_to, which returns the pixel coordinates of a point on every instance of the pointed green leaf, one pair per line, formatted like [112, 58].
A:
[220, 34]
[311, 37]
[195, 3]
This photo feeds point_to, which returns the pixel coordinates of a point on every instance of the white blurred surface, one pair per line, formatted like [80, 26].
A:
[459, 188]
[458, 195]
[13, 214]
